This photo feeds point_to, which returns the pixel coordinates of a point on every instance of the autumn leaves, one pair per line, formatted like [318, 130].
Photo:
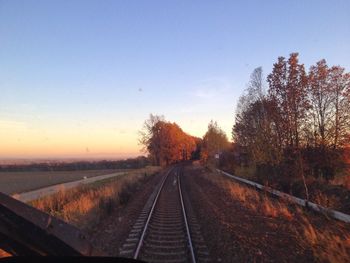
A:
[301, 123]
[166, 142]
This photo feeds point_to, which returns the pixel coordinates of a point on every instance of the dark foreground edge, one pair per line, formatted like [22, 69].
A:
[26, 231]
[50, 259]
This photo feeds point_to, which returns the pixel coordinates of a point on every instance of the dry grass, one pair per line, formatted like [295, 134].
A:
[4, 254]
[85, 206]
[322, 199]
[245, 172]
[329, 242]
[254, 200]
[342, 180]
[326, 245]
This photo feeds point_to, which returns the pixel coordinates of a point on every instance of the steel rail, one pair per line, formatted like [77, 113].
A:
[139, 245]
[186, 223]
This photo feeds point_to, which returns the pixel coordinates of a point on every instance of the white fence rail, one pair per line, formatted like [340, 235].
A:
[302, 202]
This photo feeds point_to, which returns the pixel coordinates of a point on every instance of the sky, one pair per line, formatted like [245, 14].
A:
[79, 78]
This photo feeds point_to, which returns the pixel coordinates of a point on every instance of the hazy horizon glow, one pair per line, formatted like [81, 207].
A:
[78, 78]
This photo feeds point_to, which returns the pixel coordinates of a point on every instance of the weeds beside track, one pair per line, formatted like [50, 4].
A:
[87, 205]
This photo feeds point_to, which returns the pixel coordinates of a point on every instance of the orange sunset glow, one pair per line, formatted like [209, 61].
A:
[19, 140]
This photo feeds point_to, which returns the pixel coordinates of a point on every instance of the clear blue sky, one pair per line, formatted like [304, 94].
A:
[78, 78]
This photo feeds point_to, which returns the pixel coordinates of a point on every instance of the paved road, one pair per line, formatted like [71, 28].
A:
[32, 195]
[19, 182]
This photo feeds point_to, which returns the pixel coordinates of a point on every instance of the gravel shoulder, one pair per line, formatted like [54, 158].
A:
[235, 233]
[110, 235]
[232, 231]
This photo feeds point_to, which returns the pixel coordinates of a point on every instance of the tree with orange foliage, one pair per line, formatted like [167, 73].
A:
[301, 126]
[166, 142]
[288, 89]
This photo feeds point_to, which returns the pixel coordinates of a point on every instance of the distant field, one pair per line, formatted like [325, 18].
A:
[17, 182]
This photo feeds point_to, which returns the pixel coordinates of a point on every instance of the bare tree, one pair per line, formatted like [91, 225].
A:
[214, 141]
[321, 97]
[340, 87]
[146, 134]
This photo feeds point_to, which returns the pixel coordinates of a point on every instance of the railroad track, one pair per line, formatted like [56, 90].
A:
[166, 230]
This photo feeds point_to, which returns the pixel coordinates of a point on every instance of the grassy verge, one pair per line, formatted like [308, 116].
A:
[328, 240]
[333, 194]
[342, 180]
[87, 205]
[245, 172]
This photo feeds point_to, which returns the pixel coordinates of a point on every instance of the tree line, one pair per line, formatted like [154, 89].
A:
[300, 125]
[130, 163]
[167, 143]
[289, 127]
